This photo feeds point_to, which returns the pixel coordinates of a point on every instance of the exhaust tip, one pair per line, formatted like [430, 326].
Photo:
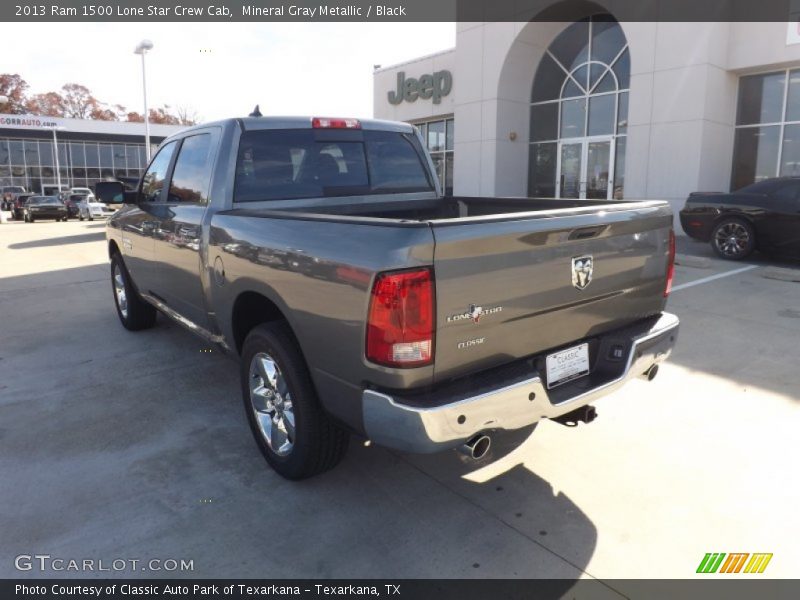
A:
[652, 372]
[477, 447]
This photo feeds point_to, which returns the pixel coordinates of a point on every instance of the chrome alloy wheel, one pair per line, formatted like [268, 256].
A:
[732, 239]
[272, 404]
[119, 292]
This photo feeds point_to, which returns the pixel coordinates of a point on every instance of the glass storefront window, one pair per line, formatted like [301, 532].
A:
[573, 118]
[755, 155]
[92, 156]
[760, 98]
[120, 158]
[17, 154]
[619, 169]
[450, 135]
[46, 153]
[5, 155]
[31, 163]
[589, 64]
[132, 157]
[544, 122]
[31, 152]
[790, 152]
[439, 137]
[436, 137]
[77, 158]
[767, 139]
[601, 114]
[542, 170]
[106, 156]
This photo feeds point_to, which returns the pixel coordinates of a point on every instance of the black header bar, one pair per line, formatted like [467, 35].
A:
[189, 11]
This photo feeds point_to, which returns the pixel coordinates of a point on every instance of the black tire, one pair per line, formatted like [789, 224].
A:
[80, 216]
[318, 443]
[91, 218]
[136, 313]
[31, 219]
[733, 239]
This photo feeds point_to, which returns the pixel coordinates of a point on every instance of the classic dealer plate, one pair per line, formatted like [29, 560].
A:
[567, 365]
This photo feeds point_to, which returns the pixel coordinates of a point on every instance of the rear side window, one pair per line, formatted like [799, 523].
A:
[192, 171]
[307, 163]
[153, 180]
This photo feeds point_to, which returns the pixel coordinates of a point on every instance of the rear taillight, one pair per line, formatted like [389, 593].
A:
[670, 263]
[401, 323]
[327, 123]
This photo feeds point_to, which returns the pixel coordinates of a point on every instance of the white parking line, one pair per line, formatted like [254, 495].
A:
[713, 277]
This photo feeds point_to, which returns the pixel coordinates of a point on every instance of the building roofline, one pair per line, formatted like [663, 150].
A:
[414, 60]
[41, 123]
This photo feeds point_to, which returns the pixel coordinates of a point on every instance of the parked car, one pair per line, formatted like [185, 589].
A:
[18, 205]
[8, 194]
[763, 216]
[44, 207]
[418, 321]
[89, 207]
[72, 202]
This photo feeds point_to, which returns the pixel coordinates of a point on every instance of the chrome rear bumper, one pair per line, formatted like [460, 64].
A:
[390, 422]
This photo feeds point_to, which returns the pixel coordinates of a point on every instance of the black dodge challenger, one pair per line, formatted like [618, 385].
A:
[763, 216]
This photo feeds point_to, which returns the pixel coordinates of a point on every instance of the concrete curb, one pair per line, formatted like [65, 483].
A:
[780, 274]
[697, 262]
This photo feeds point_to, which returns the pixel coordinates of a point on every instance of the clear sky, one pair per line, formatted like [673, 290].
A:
[221, 69]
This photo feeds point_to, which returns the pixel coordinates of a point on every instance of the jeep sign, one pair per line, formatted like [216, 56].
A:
[434, 86]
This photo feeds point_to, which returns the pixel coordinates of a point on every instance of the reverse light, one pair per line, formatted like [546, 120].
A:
[670, 263]
[328, 123]
[401, 322]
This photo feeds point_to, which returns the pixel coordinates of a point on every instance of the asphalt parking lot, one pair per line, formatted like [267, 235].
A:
[120, 445]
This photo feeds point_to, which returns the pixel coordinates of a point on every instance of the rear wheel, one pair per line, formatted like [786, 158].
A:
[733, 239]
[134, 313]
[292, 431]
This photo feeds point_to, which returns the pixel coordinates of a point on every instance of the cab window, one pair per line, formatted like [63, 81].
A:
[192, 170]
[153, 180]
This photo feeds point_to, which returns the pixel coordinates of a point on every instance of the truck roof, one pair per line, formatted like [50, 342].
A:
[258, 123]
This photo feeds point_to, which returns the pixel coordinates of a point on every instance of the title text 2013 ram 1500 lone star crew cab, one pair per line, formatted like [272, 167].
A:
[360, 300]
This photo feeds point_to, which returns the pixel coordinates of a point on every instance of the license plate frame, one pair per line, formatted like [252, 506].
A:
[567, 365]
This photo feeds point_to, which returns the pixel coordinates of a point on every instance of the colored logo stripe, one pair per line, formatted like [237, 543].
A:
[710, 562]
[713, 562]
[758, 563]
[734, 563]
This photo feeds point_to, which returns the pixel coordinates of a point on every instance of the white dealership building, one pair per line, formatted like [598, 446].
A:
[600, 109]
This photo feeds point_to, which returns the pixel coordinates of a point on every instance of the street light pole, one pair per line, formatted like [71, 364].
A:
[142, 48]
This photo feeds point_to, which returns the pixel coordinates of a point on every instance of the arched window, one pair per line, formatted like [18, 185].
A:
[579, 113]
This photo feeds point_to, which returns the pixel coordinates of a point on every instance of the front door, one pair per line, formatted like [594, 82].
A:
[585, 168]
[180, 231]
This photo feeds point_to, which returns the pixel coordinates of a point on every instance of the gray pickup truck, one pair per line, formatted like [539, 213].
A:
[358, 299]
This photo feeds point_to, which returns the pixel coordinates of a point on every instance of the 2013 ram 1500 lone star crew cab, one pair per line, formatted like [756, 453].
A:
[360, 300]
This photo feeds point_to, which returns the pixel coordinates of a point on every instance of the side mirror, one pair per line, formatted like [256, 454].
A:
[110, 192]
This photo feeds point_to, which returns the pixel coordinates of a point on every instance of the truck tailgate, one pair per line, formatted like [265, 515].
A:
[504, 285]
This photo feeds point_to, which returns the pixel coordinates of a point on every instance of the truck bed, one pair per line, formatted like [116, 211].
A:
[513, 256]
[438, 209]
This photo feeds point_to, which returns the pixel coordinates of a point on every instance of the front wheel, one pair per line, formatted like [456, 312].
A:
[733, 239]
[295, 435]
[134, 313]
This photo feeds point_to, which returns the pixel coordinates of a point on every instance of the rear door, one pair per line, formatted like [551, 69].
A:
[508, 289]
[178, 245]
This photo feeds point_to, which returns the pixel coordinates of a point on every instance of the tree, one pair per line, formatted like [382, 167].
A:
[78, 101]
[49, 104]
[14, 88]
[163, 116]
[104, 112]
[134, 117]
[187, 115]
